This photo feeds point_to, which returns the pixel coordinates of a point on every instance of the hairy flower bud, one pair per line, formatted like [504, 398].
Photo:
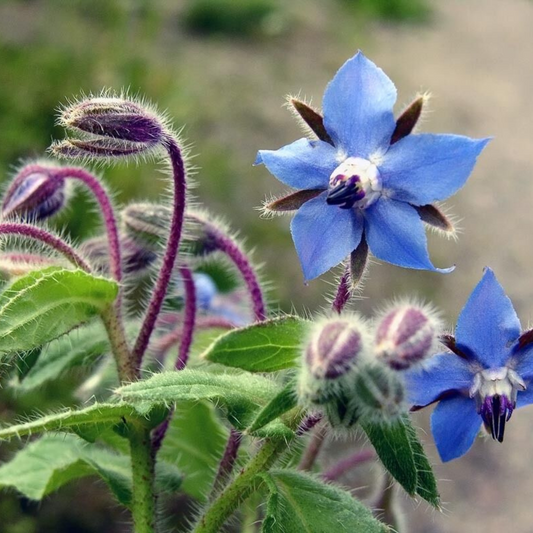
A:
[329, 356]
[147, 224]
[109, 127]
[114, 117]
[13, 264]
[405, 336]
[378, 392]
[35, 194]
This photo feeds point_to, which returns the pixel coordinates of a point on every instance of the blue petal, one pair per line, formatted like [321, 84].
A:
[304, 164]
[455, 424]
[441, 373]
[525, 397]
[358, 108]
[396, 234]
[488, 325]
[523, 363]
[324, 235]
[421, 169]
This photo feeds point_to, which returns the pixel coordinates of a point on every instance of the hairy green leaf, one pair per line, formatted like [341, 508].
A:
[299, 503]
[52, 461]
[262, 347]
[45, 304]
[393, 446]
[279, 405]
[81, 346]
[243, 395]
[94, 419]
[194, 442]
[402, 454]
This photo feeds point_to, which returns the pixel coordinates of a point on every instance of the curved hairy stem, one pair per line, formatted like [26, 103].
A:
[171, 252]
[189, 320]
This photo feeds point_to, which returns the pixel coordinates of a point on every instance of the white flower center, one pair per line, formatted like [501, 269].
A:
[354, 183]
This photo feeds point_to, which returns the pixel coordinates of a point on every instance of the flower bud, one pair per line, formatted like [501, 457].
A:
[147, 224]
[378, 392]
[95, 148]
[341, 412]
[115, 118]
[405, 335]
[329, 356]
[35, 194]
[13, 264]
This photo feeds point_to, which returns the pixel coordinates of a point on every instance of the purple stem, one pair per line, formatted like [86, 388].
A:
[107, 212]
[358, 458]
[171, 252]
[227, 462]
[313, 448]
[189, 320]
[343, 293]
[38, 234]
[227, 245]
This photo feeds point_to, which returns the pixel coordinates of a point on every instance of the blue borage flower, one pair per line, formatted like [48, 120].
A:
[483, 380]
[367, 179]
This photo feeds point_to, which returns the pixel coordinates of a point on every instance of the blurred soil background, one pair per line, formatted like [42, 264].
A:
[221, 68]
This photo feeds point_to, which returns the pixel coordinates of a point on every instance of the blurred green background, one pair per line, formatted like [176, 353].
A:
[221, 68]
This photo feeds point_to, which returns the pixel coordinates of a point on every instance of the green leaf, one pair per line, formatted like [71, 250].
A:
[194, 442]
[52, 461]
[299, 503]
[262, 347]
[45, 304]
[82, 346]
[243, 395]
[402, 454]
[94, 419]
[426, 483]
[279, 405]
[393, 445]
[47, 464]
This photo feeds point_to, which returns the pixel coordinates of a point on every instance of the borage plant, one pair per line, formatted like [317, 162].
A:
[197, 387]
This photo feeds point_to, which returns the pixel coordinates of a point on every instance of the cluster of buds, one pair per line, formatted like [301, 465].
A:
[352, 373]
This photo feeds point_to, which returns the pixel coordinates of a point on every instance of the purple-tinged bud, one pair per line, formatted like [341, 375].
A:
[330, 355]
[378, 392]
[147, 224]
[405, 335]
[114, 117]
[14, 264]
[35, 194]
[95, 148]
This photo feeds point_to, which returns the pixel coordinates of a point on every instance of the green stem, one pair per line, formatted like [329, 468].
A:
[242, 487]
[127, 370]
[143, 468]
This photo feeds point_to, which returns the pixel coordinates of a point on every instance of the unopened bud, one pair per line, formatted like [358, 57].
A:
[330, 355]
[147, 224]
[110, 127]
[405, 335]
[378, 392]
[341, 411]
[35, 194]
[114, 117]
[13, 264]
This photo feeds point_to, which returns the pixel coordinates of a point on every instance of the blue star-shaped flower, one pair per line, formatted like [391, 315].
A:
[367, 179]
[484, 378]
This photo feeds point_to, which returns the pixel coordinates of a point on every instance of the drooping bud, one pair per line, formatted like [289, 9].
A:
[147, 224]
[36, 193]
[114, 117]
[13, 264]
[329, 357]
[378, 392]
[110, 127]
[405, 335]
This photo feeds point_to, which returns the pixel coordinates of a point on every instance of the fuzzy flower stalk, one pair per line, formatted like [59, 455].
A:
[365, 182]
[110, 127]
[482, 378]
